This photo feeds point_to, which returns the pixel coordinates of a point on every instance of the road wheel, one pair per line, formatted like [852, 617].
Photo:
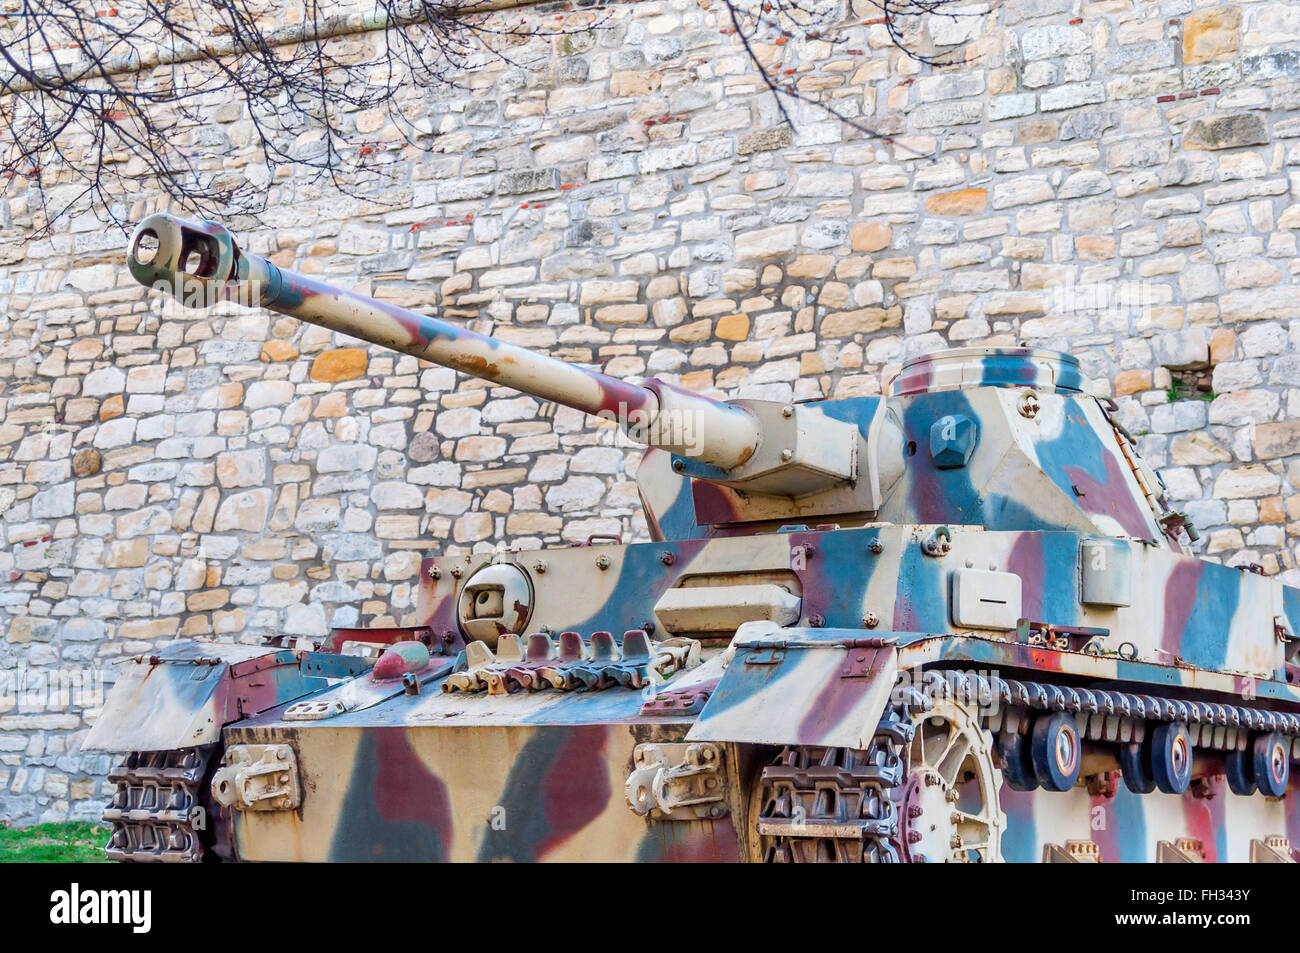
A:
[1056, 750]
[1171, 757]
[1240, 771]
[1135, 766]
[1272, 757]
[1017, 765]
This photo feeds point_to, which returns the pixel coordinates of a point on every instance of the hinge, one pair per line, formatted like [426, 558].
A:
[765, 656]
[683, 701]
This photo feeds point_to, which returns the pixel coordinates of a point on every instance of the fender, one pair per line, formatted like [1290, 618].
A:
[186, 692]
[798, 686]
[801, 686]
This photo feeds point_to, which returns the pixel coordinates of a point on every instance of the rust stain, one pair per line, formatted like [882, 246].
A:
[479, 366]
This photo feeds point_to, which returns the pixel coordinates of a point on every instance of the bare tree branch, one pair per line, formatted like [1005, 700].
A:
[103, 104]
[776, 22]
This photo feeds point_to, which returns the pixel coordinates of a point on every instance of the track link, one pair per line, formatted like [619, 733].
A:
[155, 811]
[1111, 715]
[823, 804]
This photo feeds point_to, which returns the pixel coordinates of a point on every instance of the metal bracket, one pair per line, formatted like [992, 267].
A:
[1073, 852]
[1171, 522]
[677, 782]
[1106, 784]
[258, 778]
[938, 543]
[314, 710]
[1062, 638]
[862, 660]
[386, 635]
[330, 665]
[1185, 850]
[1274, 849]
[683, 701]
[1283, 633]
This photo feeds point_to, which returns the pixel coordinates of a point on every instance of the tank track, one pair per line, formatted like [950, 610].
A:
[1113, 715]
[822, 804]
[155, 811]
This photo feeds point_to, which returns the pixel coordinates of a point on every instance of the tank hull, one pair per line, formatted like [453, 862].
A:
[488, 793]
[466, 760]
[509, 791]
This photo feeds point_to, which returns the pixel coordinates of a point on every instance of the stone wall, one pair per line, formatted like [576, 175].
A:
[1116, 179]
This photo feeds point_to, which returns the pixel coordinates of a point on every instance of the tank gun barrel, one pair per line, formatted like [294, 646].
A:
[199, 263]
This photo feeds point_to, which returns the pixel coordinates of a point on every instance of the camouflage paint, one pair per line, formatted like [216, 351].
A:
[1199, 597]
[556, 787]
[397, 809]
[182, 694]
[866, 545]
[506, 793]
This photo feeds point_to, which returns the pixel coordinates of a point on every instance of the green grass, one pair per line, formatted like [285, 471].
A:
[67, 843]
[1178, 390]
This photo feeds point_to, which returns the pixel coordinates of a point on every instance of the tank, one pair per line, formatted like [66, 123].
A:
[957, 622]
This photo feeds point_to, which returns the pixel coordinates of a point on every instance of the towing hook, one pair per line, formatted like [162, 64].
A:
[939, 542]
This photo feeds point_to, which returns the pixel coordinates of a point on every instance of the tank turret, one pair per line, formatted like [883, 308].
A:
[1010, 439]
